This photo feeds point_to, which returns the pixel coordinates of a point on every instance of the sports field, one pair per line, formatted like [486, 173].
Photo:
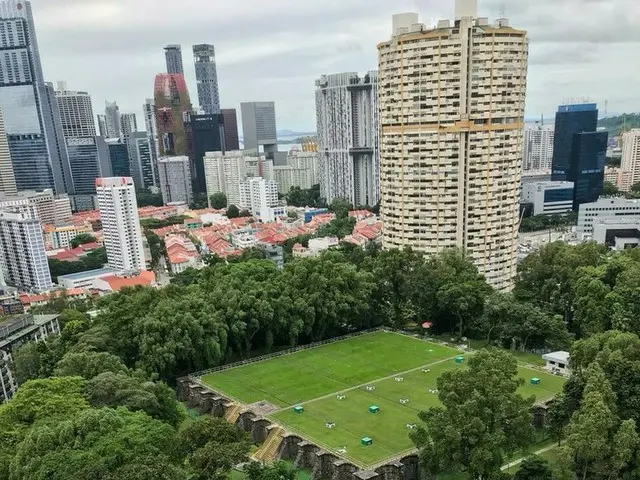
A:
[378, 369]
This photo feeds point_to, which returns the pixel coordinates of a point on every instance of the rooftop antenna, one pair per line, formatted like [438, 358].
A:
[503, 10]
[606, 108]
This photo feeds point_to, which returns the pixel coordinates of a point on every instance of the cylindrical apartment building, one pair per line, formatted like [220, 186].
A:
[452, 115]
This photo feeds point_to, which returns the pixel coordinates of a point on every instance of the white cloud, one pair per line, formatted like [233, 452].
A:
[275, 50]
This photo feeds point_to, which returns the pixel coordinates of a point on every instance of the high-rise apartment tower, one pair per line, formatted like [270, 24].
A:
[120, 223]
[23, 260]
[347, 114]
[451, 102]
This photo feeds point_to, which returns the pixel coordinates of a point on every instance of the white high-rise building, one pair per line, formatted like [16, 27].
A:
[7, 178]
[451, 102]
[260, 197]
[347, 117]
[175, 180]
[224, 172]
[538, 147]
[120, 223]
[631, 155]
[76, 113]
[23, 260]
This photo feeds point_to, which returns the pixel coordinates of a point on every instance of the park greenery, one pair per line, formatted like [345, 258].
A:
[548, 222]
[218, 201]
[148, 199]
[96, 402]
[91, 261]
[82, 239]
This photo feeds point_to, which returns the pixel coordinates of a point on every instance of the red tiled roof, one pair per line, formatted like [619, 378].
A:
[143, 278]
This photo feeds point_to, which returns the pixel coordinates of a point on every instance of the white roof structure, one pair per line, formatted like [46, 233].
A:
[558, 357]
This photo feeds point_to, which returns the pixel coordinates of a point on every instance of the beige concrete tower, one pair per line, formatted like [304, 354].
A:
[451, 104]
[7, 178]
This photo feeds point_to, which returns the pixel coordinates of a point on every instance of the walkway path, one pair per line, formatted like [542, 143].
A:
[520, 460]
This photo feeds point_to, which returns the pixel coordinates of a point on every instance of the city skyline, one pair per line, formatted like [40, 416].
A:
[564, 58]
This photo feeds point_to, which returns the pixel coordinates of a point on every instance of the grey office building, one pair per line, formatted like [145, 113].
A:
[88, 154]
[175, 180]
[207, 78]
[259, 129]
[28, 104]
[128, 123]
[112, 119]
[142, 165]
[173, 55]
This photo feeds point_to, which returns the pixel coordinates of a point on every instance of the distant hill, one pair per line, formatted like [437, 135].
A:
[615, 125]
[293, 133]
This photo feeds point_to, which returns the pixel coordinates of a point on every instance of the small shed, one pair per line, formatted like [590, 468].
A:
[298, 409]
[557, 362]
[374, 409]
[535, 381]
[366, 441]
[459, 359]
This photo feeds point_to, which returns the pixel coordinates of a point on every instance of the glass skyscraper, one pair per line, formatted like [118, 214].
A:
[579, 151]
[30, 110]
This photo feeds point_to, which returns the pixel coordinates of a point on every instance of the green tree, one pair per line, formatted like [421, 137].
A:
[588, 433]
[482, 420]
[135, 392]
[534, 468]
[218, 201]
[341, 208]
[82, 239]
[609, 189]
[277, 471]
[233, 212]
[88, 365]
[212, 447]
[95, 444]
[298, 197]
[147, 199]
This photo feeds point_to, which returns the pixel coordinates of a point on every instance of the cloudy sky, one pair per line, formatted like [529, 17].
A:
[275, 49]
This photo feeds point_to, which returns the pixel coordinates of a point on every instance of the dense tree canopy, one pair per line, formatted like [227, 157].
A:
[482, 419]
[218, 201]
[298, 197]
[116, 367]
[82, 239]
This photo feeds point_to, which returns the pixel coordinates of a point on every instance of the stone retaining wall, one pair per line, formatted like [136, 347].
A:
[323, 464]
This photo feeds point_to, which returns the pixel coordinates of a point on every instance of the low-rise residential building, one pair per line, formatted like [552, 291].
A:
[56, 237]
[316, 247]
[260, 197]
[607, 209]
[181, 253]
[15, 331]
[115, 283]
[548, 198]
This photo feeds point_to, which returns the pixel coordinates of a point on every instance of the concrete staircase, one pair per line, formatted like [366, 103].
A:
[268, 451]
[232, 413]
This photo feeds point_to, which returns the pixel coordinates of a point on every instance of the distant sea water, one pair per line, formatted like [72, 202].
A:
[284, 147]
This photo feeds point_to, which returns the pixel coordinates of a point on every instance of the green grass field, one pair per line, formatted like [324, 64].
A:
[312, 378]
